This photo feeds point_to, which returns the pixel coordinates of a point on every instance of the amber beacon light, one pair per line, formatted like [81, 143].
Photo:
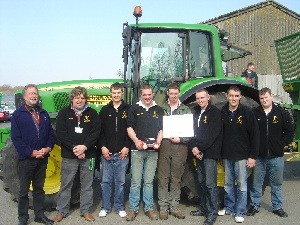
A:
[137, 12]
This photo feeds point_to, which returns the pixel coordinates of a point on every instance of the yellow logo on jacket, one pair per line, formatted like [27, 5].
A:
[124, 115]
[86, 119]
[205, 119]
[239, 120]
[155, 115]
[275, 119]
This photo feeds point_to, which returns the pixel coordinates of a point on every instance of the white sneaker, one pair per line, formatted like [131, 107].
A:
[122, 214]
[221, 212]
[102, 213]
[239, 219]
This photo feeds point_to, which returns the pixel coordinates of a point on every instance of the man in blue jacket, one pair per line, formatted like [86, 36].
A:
[33, 137]
[276, 131]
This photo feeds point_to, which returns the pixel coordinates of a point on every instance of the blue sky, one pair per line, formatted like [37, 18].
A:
[44, 41]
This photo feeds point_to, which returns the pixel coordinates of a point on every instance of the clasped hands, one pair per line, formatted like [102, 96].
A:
[106, 153]
[79, 150]
[40, 153]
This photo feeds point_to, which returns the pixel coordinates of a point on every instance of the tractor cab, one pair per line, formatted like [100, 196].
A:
[159, 53]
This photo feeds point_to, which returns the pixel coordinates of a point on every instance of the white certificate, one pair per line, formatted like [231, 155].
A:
[178, 126]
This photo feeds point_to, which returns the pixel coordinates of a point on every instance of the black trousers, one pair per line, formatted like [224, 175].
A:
[32, 170]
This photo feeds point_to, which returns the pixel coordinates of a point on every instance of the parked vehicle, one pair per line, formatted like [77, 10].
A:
[4, 115]
[10, 110]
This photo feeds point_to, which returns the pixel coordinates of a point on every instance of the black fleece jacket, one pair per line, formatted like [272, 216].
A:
[240, 134]
[276, 131]
[68, 138]
[145, 123]
[208, 136]
[114, 127]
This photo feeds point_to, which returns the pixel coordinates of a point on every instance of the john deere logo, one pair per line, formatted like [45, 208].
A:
[205, 119]
[155, 114]
[86, 119]
[239, 120]
[275, 119]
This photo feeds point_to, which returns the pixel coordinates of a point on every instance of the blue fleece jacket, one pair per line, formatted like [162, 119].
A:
[24, 134]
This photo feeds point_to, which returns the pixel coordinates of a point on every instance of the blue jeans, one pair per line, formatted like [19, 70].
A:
[207, 177]
[273, 168]
[235, 197]
[143, 165]
[113, 170]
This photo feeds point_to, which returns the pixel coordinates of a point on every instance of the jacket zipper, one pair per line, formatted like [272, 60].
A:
[116, 120]
[268, 151]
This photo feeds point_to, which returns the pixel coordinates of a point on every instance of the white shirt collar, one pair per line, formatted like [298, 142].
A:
[140, 103]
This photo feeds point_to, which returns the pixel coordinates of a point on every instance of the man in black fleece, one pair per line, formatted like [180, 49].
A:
[239, 151]
[144, 122]
[206, 147]
[276, 131]
[114, 145]
[77, 130]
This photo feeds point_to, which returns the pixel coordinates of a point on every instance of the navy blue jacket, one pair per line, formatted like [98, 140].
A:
[276, 131]
[24, 134]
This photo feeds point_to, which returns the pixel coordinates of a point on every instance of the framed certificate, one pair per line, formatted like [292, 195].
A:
[178, 126]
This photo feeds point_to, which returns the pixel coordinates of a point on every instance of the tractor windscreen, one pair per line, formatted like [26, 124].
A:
[162, 57]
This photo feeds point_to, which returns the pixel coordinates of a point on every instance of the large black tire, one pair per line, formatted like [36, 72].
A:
[9, 175]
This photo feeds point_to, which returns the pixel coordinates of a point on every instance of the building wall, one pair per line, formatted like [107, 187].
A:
[274, 82]
[256, 31]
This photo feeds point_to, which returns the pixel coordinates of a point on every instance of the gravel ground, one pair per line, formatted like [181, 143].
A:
[291, 187]
[8, 211]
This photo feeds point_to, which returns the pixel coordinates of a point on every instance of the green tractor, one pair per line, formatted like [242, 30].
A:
[53, 96]
[189, 54]
[288, 52]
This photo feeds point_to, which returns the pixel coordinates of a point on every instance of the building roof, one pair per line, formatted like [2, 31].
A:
[253, 8]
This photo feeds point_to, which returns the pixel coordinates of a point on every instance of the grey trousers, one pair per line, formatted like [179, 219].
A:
[171, 160]
[68, 171]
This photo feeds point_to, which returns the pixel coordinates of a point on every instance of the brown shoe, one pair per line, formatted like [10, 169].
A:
[151, 214]
[178, 214]
[163, 214]
[58, 218]
[88, 217]
[131, 215]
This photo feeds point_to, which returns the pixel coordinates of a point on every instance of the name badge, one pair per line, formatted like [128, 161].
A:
[78, 130]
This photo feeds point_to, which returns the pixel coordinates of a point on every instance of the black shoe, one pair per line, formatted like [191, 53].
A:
[252, 211]
[22, 223]
[209, 221]
[198, 212]
[280, 212]
[44, 220]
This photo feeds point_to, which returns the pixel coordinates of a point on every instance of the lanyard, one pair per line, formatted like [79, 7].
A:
[35, 117]
[78, 117]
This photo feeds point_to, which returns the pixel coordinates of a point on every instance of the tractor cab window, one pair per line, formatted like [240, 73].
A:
[161, 57]
[199, 55]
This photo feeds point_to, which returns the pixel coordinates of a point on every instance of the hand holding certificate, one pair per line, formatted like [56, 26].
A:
[178, 126]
